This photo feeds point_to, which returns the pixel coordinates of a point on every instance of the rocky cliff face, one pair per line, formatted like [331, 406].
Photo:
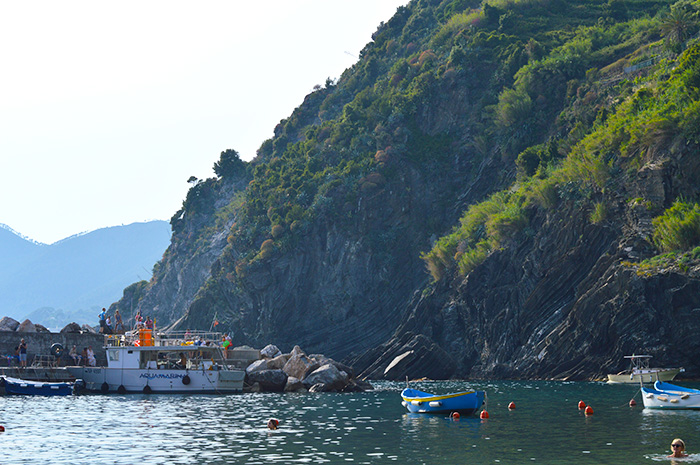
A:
[342, 287]
[564, 303]
[198, 240]
[320, 244]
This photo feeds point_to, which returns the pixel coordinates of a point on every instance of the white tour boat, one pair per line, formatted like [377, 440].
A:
[147, 362]
[640, 372]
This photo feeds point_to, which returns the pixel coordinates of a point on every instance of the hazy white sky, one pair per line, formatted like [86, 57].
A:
[107, 108]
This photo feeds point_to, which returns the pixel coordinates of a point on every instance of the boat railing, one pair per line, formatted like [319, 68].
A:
[149, 337]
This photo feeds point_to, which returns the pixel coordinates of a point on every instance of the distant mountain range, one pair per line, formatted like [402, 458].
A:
[72, 279]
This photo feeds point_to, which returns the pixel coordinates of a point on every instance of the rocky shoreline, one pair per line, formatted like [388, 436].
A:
[299, 372]
[272, 372]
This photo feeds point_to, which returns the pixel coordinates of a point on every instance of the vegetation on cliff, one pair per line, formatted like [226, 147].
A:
[495, 116]
[616, 126]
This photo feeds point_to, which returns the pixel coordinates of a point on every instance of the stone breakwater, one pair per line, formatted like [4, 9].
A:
[299, 372]
[39, 341]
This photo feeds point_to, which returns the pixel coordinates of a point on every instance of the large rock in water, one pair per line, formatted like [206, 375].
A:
[294, 385]
[299, 365]
[329, 377]
[278, 362]
[8, 324]
[410, 355]
[323, 360]
[269, 380]
[258, 365]
[270, 351]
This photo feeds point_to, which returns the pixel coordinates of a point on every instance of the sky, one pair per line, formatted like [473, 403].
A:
[108, 108]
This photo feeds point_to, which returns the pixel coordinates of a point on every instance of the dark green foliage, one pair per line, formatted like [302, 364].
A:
[679, 24]
[536, 156]
[492, 14]
[678, 229]
[513, 108]
[605, 131]
[616, 9]
[528, 161]
[229, 165]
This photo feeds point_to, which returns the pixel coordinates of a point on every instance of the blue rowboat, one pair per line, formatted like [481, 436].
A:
[467, 402]
[38, 388]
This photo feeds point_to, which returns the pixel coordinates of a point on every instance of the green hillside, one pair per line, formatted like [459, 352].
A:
[532, 74]
[464, 130]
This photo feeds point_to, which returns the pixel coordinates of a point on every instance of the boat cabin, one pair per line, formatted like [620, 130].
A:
[163, 352]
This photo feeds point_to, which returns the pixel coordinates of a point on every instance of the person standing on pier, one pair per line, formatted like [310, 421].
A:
[118, 324]
[23, 354]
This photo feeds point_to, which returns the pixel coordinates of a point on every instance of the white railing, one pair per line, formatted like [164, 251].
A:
[149, 337]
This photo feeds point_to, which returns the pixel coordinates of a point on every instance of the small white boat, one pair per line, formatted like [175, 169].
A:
[668, 396]
[640, 372]
[147, 362]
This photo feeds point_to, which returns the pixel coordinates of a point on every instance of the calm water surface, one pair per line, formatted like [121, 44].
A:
[366, 428]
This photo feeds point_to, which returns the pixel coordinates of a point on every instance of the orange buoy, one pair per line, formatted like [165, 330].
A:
[2, 428]
[632, 403]
[454, 415]
[511, 406]
[484, 415]
[581, 405]
[589, 410]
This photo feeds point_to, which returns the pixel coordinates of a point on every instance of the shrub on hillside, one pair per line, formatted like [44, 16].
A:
[678, 228]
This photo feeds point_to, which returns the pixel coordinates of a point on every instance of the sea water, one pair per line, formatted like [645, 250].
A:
[546, 427]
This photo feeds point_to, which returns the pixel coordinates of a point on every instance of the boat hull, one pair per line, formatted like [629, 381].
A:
[467, 403]
[654, 374]
[666, 396]
[104, 380]
[14, 386]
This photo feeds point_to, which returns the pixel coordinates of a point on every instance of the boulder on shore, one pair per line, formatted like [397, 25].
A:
[270, 351]
[258, 365]
[8, 324]
[71, 328]
[299, 365]
[323, 360]
[269, 380]
[329, 376]
[298, 372]
[88, 329]
[26, 327]
[255, 387]
[294, 385]
[278, 362]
